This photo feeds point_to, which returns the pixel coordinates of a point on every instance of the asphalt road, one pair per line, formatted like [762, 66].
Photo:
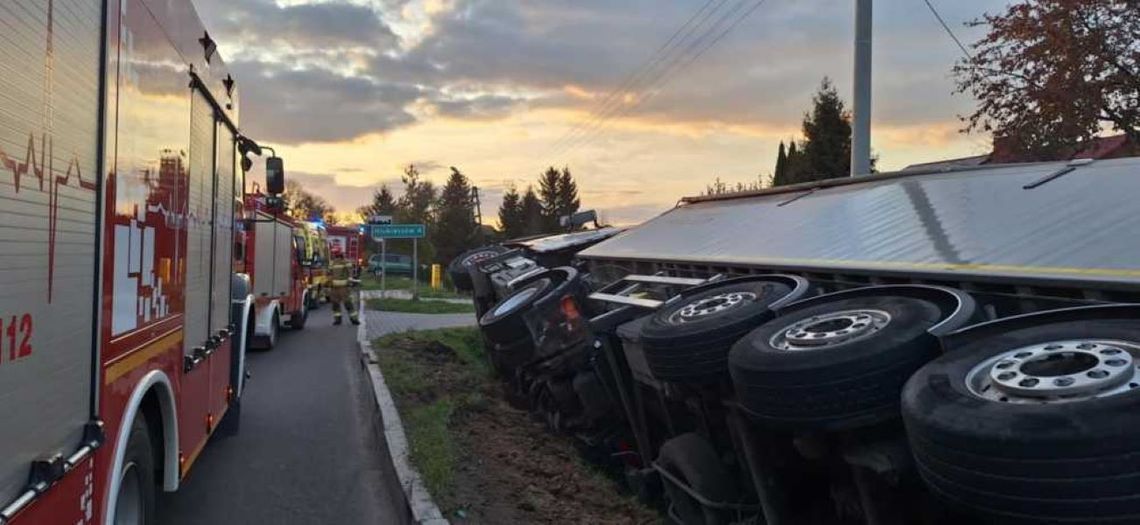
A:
[309, 448]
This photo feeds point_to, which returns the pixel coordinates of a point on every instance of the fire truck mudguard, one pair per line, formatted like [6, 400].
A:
[155, 383]
[268, 326]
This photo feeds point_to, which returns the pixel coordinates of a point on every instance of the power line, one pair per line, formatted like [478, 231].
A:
[692, 58]
[620, 110]
[613, 100]
[646, 91]
[948, 30]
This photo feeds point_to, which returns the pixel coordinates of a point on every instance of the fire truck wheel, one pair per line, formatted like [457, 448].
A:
[693, 461]
[834, 366]
[688, 341]
[459, 266]
[504, 323]
[135, 502]
[1037, 424]
[298, 319]
[274, 329]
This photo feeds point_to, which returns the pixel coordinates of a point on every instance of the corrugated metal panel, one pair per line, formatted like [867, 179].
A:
[224, 233]
[198, 230]
[1078, 227]
[49, 72]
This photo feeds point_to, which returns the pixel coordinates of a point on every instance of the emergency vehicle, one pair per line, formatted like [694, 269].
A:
[120, 351]
[315, 259]
[273, 257]
[350, 240]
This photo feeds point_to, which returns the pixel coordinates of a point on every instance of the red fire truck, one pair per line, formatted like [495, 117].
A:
[273, 251]
[350, 240]
[122, 326]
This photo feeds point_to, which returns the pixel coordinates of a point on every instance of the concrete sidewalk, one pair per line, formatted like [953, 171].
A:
[381, 323]
[407, 294]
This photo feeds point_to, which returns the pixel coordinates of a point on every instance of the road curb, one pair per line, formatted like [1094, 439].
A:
[424, 510]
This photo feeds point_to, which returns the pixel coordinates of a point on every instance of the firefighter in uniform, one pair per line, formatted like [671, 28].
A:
[341, 276]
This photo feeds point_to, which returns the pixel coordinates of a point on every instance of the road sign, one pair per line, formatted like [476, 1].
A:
[380, 219]
[398, 231]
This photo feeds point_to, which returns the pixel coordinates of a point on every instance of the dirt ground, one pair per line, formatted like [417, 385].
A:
[508, 468]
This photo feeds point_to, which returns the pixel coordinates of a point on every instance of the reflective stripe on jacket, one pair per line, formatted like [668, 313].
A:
[340, 272]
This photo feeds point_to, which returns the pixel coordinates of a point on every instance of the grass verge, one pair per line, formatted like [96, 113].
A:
[420, 307]
[433, 375]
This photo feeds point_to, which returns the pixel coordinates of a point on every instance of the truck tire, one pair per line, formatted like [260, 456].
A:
[688, 341]
[836, 365]
[504, 323]
[996, 447]
[135, 503]
[694, 461]
[299, 318]
[274, 331]
[458, 268]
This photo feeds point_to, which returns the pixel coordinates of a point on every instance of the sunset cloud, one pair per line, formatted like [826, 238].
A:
[356, 89]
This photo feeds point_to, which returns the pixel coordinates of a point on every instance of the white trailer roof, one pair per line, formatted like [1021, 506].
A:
[1047, 221]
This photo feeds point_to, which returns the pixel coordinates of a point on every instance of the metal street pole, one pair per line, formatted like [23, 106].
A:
[383, 268]
[861, 125]
[415, 268]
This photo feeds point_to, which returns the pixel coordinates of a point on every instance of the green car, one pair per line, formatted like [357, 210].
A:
[392, 264]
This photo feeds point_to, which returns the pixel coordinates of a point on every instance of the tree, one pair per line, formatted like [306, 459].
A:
[454, 230]
[383, 203]
[415, 206]
[302, 205]
[511, 218]
[827, 137]
[795, 167]
[568, 201]
[1050, 74]
[532, 213]
[781, 163]
[548, 184]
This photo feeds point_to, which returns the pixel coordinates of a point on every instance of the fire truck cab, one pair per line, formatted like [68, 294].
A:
[274, 261]
[122, 324]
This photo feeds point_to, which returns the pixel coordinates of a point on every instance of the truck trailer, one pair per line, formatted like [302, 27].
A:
[937, 347]
[124, 327]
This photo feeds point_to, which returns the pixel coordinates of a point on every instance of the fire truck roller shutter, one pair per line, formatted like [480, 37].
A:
[224, 181]
[199, 234]
[47, 230]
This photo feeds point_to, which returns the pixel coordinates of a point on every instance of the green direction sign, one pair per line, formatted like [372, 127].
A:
[398, 231]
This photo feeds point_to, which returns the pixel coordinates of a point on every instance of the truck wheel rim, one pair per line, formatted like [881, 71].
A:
[1057, 372]
[830, 329]
[709, 306]
[128, 502]
[515, 301]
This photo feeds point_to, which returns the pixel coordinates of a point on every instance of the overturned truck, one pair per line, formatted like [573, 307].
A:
[918, 347]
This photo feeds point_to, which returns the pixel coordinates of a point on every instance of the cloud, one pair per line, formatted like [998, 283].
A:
[345, 198]
[265, 24]
[314, 105]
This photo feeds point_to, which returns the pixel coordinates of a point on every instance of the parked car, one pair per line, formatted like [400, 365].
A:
[392, 264]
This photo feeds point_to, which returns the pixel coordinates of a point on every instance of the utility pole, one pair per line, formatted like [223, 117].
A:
[477, 210]
[861, 125]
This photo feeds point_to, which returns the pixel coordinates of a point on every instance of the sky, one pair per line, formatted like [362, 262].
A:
[352, 91]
